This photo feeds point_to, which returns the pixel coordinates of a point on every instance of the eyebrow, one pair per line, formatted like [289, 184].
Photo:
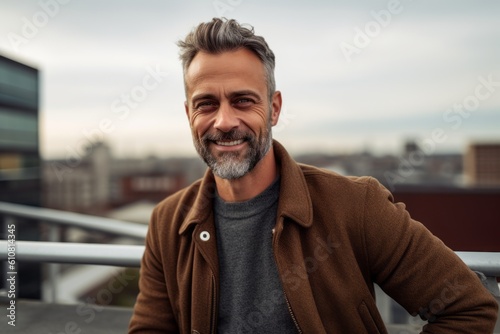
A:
[244, 93]
[232, 95]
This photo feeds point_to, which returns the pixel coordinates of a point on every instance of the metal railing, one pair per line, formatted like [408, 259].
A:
[75, 253]
[64, 218]
[486, 263]
[55, 252]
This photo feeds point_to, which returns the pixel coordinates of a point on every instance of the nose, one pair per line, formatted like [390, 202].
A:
[225, 119]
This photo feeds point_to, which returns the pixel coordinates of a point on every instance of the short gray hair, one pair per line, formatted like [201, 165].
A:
[221, 35]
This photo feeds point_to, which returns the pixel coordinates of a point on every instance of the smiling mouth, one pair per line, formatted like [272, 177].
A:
[229, 143]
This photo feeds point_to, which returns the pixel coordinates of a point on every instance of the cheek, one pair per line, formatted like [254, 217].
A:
[265, 120]
[200, 125]
[257, 118]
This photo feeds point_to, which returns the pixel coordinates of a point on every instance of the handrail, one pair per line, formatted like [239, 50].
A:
[487, 263]
[107, 225]
[77, 253]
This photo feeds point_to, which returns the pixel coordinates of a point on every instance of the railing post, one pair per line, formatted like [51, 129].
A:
[53, 268]
[492, 286]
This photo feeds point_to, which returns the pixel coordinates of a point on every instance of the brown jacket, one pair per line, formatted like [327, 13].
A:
[334, 237]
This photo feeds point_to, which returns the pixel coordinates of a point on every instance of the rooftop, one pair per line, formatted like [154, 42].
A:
[34, 317]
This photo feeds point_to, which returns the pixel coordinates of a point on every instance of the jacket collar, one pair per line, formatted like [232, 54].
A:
[294, 202]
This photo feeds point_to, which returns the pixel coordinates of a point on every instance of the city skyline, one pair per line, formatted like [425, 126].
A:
[358, 76]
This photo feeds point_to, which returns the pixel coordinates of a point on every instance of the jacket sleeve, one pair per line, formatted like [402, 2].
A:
[418, 271]
[152, 311]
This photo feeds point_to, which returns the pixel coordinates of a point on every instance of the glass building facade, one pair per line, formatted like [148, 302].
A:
[19, 144]
[20, 164]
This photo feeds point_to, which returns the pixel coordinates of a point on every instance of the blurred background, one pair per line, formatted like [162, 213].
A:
[92, 117]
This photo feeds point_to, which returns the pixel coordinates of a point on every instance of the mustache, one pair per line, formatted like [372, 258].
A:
[231, 135]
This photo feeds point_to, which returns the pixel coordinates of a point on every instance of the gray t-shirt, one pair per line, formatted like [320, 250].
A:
[251, 295]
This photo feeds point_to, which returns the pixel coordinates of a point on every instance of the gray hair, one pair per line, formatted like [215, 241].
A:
[221, 35]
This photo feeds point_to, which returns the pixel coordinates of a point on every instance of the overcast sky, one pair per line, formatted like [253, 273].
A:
[354, 76]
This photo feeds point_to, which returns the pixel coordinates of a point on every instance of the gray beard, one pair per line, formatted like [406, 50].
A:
[229, 165]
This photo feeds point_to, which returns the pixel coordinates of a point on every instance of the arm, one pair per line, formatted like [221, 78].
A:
[152, 311]
[420, 272]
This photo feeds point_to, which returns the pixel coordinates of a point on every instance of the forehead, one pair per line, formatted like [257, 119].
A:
[237, 67]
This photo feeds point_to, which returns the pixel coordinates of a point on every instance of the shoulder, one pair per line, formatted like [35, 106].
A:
[353, 197]
[320, 179]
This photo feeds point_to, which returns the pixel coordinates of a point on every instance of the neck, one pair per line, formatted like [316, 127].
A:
[252, 183]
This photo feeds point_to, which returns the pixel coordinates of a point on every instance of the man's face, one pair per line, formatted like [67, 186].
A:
[229, 111]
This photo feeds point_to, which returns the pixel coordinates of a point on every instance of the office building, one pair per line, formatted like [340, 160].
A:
[20, 156]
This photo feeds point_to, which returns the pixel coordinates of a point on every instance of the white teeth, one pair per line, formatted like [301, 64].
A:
[229, 143]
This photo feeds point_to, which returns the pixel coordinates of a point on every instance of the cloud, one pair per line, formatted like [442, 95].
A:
[427, 58]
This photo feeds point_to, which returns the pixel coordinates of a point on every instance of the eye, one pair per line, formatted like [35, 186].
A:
[243, 102]
[206, 106]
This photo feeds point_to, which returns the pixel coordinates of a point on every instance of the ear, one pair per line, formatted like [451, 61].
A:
[275, 107]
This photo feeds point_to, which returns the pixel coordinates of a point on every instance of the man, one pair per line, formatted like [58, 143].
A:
[265, 245]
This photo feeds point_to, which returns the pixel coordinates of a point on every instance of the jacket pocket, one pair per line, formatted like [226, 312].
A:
[369, 321]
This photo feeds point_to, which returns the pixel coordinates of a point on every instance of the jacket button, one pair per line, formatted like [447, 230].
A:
[205, 236]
